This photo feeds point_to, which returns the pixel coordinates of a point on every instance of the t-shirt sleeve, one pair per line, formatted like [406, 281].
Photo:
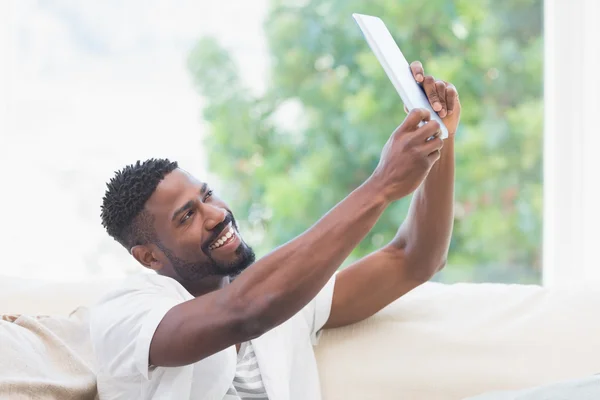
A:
[318, 310]
[122, 326]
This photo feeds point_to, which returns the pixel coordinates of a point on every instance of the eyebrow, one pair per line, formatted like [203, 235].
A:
[189, 204]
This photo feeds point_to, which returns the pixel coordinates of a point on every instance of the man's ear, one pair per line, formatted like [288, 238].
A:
[145, 256]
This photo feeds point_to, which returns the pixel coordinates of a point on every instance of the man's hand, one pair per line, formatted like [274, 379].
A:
[442, 96]
[408, 156]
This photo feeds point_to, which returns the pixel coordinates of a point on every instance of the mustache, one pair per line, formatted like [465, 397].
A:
[218, 230]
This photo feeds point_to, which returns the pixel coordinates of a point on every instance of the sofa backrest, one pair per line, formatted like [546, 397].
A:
[41, 297]
[454, 341]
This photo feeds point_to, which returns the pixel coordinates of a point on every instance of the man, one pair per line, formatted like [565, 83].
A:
[188, 332]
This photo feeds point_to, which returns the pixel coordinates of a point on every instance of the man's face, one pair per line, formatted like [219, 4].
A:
[195, 230]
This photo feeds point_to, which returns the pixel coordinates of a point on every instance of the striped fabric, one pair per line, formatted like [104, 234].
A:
[247, 383]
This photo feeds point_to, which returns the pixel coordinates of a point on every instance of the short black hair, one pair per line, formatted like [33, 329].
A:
[122, 209]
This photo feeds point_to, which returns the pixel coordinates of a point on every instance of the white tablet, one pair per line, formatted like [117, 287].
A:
[395, 65]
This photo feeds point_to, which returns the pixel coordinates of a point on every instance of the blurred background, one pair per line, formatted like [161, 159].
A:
[279, 104]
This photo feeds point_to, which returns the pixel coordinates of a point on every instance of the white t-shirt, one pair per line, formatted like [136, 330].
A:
[123, 322]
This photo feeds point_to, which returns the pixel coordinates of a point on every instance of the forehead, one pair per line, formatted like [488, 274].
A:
[175, 189]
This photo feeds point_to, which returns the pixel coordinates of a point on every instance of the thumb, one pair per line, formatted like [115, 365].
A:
[415, 117]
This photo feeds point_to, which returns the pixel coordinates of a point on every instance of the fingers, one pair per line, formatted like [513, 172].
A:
[427, 141]
[417, 70]
[430, 87]
[433, 147]
[415, 117]
[442, 95]
[434, 156]
[431, 128]
[440, 87]
[451, 98]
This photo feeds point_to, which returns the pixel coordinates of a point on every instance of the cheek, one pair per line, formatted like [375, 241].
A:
[187, 244]
[191, 240]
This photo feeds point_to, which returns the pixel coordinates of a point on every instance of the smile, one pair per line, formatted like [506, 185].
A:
[229, 235]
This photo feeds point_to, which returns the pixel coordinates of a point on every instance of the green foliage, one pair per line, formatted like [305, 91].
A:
[291, 153]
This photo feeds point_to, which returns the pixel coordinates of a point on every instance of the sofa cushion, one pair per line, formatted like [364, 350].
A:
[454, 341]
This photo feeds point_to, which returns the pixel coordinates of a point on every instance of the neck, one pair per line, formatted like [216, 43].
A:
[205, 285]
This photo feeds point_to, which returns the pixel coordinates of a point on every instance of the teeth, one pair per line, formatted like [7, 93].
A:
[223, 239]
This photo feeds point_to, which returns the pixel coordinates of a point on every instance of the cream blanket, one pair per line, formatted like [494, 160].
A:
[46, 357]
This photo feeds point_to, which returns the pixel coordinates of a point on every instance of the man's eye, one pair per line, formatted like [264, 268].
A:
[187, 216]
[208, 195]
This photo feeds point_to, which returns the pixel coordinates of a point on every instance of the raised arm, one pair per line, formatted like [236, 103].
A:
[420, 247]
[282, 283]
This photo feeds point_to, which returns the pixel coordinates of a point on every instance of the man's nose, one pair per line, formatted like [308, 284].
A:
[213, 216]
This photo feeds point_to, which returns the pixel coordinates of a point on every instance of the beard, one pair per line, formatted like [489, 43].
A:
[193, 271]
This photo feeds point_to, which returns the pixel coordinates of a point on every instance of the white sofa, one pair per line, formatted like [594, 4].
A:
[437, 342]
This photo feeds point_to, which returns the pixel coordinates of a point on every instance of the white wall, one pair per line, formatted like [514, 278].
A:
[572, 142]
[5, 69]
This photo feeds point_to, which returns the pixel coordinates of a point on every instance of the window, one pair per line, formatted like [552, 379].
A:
[302, 106]
[316, 131]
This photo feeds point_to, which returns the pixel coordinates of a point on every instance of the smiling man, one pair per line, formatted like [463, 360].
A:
[186, 330]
